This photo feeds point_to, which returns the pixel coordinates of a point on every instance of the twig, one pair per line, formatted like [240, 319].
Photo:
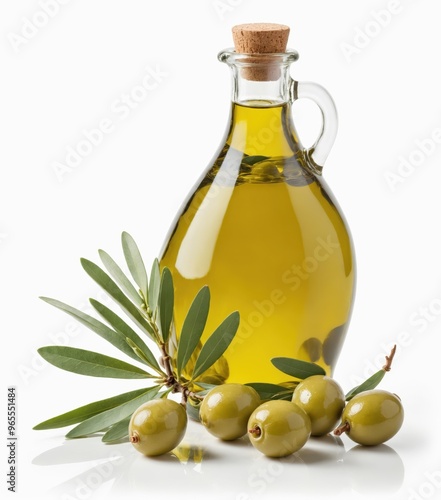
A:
[389, 359]
[172, 381]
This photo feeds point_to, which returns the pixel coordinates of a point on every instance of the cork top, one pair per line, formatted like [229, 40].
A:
[260, 38]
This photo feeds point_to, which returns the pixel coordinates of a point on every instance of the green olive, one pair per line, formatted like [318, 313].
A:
[226, 408]
[278, 428]
[372, 417]
[323, 400]
[157, 426]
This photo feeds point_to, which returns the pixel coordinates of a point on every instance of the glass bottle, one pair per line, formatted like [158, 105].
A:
[263, 230]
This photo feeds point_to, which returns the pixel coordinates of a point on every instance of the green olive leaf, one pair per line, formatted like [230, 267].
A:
[216, 344]
[118, 431]
[87, 411]
[297, 368]
[125, 332]
[192, 328]
[106, 282]
[114, 337]
[251, 160]
[90, 363]
[109, 417]
[121, 279]
[271, 391]
[192, 408]
[367, 385]
[205, 386]
[135, 263]
[166, 303]
[155, 281]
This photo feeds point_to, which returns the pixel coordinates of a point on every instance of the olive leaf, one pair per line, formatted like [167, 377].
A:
[109, 417]
[205, 386]
[118, 431]
[271, 391]
[192, 328]
[216, 344]
[90, 363]
[121, 279]
[90, 410]
[251, 160]
[135, 263]
[297, 368]
[166, 303]
[367, 385]
[106, 282]
[155, 281]
[126, 331]
[114, 337]
[375, 379]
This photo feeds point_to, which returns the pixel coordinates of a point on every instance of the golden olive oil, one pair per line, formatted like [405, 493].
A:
[263, 232]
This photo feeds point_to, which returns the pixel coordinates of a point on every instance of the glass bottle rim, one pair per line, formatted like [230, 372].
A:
[231, 57]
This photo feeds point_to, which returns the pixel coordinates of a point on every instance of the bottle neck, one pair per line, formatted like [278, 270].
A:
[260, 79]
[250, 91]
[261, 122]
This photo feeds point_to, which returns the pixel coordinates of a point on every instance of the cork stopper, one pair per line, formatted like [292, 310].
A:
[260, 38]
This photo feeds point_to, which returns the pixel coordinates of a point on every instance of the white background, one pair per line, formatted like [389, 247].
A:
[70, 74]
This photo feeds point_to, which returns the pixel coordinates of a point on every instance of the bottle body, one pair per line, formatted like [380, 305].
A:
[265, 234]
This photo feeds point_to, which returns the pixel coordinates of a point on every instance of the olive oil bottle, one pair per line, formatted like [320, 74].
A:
[262, 228]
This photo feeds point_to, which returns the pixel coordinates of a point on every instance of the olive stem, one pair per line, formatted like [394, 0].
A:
[256, 431]
[389, 359]
[134, 438]
[344, 427]
[171, 380]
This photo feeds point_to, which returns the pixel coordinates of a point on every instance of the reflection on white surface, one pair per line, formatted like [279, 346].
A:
[206, 467]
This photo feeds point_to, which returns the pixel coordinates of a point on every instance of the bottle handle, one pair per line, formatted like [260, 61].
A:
[319, 151]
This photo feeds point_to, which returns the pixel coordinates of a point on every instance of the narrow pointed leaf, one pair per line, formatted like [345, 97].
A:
[192, 328]
[205, 386]
[126, 332]
[216, 344]
[155, 281]
[251, 160]
[87, 411]
[115, 338]
[297, 367]
[166, 303]
[270, 391]
[107, 418]
[135, 263]
[106, 282]
[117, 274]
[367, 385]
[118, 431]
[90, 363]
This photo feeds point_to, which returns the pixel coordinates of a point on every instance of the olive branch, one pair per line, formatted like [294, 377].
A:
[149, 305]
